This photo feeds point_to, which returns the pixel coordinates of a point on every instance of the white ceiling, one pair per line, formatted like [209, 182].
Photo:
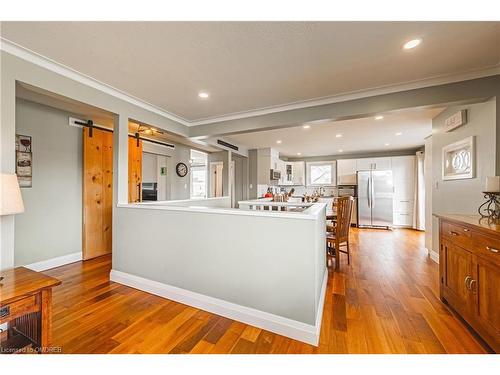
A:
[252, 65]
[358, 136]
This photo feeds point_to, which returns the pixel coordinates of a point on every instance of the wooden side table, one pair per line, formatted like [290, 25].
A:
[26, 305]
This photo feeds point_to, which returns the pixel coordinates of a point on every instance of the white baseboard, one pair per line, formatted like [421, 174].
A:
[433, 255]
[55, 262]
[283, 326]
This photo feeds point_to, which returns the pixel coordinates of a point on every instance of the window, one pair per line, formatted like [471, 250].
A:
[198, 174]
[321, 173]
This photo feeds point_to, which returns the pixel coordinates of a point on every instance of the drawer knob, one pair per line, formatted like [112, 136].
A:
[492, 249]
[453, 233]
[466, 230]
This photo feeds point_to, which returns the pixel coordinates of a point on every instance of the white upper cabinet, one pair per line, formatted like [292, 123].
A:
[381, 164]
[299, 173]
[364, 164]
[346, 172]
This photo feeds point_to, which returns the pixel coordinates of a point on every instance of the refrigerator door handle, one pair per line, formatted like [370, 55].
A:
[368, 194]
[372, 193]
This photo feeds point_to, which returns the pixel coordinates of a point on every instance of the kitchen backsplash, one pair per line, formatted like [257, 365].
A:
[299, 190]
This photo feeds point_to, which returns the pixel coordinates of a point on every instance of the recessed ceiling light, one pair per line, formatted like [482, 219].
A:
[387, 144]
[338, 135]
[380, 117]
[203, 95]
[306, 126]
[341, 150]
[299, 153]
[399, 133]
[278, 141]
[412, 43]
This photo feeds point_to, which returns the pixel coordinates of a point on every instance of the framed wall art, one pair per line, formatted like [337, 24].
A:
[23, 143]
[459, 159]
[24, 160]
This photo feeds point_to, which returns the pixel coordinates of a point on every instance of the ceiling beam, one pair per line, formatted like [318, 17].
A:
[470, 91]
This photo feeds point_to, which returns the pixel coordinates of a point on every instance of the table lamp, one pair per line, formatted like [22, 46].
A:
[11, 200]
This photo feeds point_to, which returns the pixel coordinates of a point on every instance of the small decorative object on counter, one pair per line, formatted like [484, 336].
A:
[493, 184]
[490, 208]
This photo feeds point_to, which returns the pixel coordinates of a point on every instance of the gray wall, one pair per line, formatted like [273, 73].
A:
[463, 196]
[51, 225]
[179, 186]
[65, 83]
[216, 262]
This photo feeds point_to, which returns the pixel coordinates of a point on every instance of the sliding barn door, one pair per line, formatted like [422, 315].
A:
[97, 192]
[134, 170]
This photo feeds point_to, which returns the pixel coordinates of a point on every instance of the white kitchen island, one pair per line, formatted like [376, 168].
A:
[264, 268]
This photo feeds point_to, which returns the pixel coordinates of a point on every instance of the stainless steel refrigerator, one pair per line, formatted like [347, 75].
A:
[375, 191]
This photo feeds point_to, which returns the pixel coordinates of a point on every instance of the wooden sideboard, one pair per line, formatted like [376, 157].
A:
[26, 306]
[469, 271]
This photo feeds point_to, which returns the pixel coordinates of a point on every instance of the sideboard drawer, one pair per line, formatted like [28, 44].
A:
[15, 309]
[486, 246]
[459, 235]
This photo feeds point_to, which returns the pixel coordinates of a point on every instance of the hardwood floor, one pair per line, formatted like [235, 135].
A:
[385, 302]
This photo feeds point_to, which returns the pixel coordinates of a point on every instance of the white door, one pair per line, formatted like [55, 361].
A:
[233, 184]
[216, 186]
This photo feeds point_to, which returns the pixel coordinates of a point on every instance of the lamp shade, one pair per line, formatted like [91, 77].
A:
[10, 194]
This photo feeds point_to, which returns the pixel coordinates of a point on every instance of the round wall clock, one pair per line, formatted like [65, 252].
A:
[181, 169]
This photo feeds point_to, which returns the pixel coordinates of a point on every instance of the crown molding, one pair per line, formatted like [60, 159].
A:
[389, 89]
[49, 64]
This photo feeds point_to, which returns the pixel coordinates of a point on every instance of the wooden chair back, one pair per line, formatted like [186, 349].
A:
[344, 212]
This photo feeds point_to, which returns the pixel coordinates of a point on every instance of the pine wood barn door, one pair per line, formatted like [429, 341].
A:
[97, 193]
[134, 170]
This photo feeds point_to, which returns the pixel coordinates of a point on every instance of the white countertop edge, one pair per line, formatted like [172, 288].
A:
[171, 203]
[309, 214]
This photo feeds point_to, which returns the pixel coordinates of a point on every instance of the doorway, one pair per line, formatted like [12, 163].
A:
[154, 177]
[216, 182]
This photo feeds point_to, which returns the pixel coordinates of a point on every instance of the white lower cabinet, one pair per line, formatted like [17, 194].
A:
[403, 219]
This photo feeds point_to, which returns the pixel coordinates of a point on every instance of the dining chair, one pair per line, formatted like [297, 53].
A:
[338, 234]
